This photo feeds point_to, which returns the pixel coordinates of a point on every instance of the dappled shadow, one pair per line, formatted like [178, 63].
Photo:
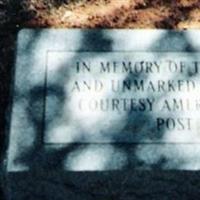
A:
[49, 112]
[48, 108]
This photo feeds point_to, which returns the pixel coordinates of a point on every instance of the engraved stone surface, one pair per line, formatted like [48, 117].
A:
[122, 97]
[98, 100]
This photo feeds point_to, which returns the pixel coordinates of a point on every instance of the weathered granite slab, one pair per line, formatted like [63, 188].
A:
[98, 100]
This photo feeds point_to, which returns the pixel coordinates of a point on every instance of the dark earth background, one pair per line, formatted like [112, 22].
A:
[166, 14]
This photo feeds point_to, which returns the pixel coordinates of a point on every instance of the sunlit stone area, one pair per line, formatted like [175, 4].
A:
[102, 100]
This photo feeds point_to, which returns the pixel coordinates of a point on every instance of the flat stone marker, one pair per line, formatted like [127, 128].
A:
[98, 100]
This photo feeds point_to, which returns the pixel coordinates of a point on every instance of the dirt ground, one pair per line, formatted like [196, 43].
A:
[171, 14]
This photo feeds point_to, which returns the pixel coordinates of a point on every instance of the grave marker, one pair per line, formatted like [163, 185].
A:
[105, 99]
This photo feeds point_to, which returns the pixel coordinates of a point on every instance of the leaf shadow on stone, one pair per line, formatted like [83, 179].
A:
[40, 160]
